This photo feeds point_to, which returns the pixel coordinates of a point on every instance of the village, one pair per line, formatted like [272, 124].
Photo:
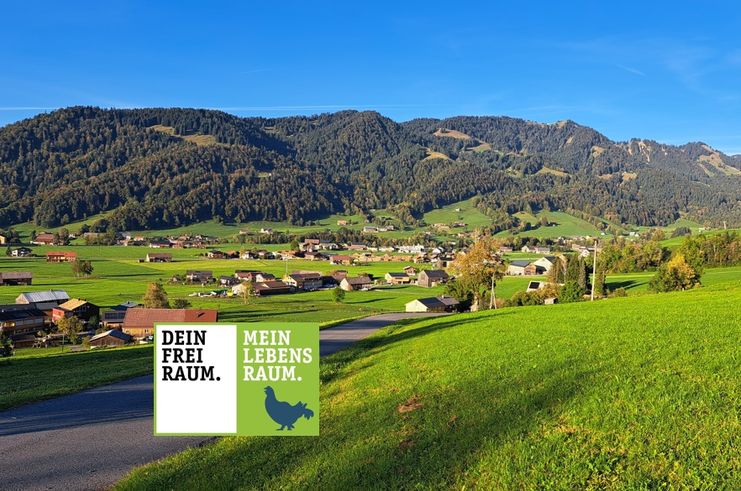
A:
[32, 321]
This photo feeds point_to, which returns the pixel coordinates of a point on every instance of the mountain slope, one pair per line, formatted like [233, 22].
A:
[167, 167]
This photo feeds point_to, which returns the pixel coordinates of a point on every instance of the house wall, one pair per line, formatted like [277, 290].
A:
[138, 331]
[108, 341]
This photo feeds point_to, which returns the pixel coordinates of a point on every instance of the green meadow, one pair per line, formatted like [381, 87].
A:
[563, 225]
[625, 393]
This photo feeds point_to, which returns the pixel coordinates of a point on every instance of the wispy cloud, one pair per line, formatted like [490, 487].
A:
[694, 64]
[630, 69]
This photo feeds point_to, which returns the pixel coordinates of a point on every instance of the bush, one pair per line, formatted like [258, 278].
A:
[338, 294]
[675, 275]
[6, 347]
[619, 292]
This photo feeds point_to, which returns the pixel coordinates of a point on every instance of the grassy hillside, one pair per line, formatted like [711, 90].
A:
[563, 225]
[638, 393]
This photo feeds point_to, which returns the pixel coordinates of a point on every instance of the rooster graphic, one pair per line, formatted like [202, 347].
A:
[283, 413]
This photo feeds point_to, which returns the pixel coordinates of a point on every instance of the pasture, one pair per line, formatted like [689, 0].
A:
[627, 393]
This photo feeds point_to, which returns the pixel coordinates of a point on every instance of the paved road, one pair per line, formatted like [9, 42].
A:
[91, 439]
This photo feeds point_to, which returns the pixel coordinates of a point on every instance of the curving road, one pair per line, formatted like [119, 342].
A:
[91, 439]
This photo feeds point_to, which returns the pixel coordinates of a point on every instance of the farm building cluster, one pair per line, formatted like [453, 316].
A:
[31, 321]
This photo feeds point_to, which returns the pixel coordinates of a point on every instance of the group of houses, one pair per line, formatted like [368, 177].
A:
[260, 283]
[196, 241]
[40, 312]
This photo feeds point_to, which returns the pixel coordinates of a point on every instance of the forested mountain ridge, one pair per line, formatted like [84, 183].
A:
[166, 167]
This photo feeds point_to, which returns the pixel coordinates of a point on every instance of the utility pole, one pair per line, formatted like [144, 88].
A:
[594, 271]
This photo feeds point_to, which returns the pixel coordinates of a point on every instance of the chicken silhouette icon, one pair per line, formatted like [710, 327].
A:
[283, 413]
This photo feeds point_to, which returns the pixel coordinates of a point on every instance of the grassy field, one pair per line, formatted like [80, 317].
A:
[630, 393]
[35, 374]
[119, 277]
[564, 225]
[466, 212]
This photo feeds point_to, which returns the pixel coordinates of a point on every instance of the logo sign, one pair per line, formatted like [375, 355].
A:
[250, 379]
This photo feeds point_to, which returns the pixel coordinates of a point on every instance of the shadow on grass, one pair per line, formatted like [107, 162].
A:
[627, 284]
[373, 445]
[333, 364]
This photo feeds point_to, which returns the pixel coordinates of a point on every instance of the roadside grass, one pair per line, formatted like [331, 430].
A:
[627, 393]
[37, 374]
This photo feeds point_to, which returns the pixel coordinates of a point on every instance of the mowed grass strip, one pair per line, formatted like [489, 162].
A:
[629, 393]
[36, 374]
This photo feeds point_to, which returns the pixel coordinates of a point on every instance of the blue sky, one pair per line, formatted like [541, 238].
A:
[666, 71]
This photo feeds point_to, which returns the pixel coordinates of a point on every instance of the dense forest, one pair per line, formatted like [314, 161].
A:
[153, 168]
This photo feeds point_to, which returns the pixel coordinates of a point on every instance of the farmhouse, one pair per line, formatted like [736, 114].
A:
[245, 275]
[158, 257]
[410, 270]
[411, 249]
[114, 318]
[341, 259]
[517, 267]
[215, 254]
[16, 278]
[199, 276]
[139, 322]
[226, 280]
[357, 246]
[20, 252]
[43, 239]
[272, 288]
[160, 244]
[61, 257]
[304, 281]
[326, 245]
[397, 278]
[432, 304]
[18, 320]
[358, 283]
[432, 277]
[81, 309]
[114, 337]
[45, 300]
[545, 263]
[310, 244]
